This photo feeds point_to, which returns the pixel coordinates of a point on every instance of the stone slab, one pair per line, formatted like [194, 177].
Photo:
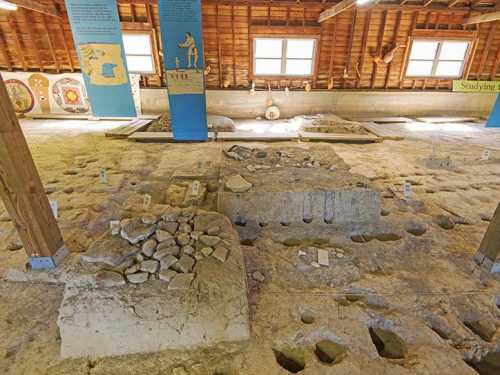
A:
[357, 205]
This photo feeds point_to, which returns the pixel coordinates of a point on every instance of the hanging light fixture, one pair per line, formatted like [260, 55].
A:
[7, 5]
[363, 2]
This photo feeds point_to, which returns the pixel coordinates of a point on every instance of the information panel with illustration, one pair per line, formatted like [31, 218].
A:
[98, 39]
[181, 31]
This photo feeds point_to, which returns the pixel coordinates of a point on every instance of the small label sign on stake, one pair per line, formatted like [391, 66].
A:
[115, 227]
[486, 155]
[104, 176]
[147, 201]
[54, 206]
[407, 190]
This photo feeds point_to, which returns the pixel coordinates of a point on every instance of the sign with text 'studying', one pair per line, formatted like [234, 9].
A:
[182, 38]
[476, 86]
[97, 34]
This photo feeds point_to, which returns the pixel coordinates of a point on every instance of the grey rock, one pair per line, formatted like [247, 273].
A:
[181, 281]
[185, 264]
[163, 251]
[109, 250]
[169, 226]
[163, 236]
[221, 253]
[135, 232]
[170, 216]
[238, 184]
[185, 228]
[481, 326]
[189, 250]
[149, 266]
[203, 222]
[138, 278]
[132, 269]
[167, 262]
[109, 279]
[207, 251]
[149, 219]
[209, 241]
[183, 239]
[167, 275]
[440, 326]
[195, 235]
[149, 247]
[445, 222]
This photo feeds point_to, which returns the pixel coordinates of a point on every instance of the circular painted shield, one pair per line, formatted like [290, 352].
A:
[20, 95]
[70, 95]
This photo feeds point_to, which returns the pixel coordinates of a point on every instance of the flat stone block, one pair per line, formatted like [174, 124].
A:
[149, 317]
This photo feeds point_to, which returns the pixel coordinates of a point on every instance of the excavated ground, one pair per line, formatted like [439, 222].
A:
[403, 297]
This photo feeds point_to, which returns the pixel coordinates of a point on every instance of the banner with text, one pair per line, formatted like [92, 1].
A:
[476, 86]
[182, 38]
[98, 39]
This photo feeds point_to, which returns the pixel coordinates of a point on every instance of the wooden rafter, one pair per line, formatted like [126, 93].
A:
[394, 43]
[486, 50]
[49, 10]
[486, 17]
[364, 44]
[51, 45]
[336, 9]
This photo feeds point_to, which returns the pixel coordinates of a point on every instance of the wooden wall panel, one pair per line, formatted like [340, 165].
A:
[347, 43]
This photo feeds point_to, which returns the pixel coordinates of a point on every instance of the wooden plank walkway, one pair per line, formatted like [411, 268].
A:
[332, 137]
[127, 130]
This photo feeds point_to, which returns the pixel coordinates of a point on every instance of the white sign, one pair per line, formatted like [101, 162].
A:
[104, 176]
[147, 201]
[115, 227]
[486, 155]
[55, 208]
[407, 190]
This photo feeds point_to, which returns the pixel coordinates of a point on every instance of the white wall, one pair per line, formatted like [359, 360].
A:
[239, 104]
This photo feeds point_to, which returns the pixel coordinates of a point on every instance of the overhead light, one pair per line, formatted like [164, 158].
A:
[363, 2]
[7, 6]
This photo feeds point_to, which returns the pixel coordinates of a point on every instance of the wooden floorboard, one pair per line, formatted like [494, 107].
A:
[127, 130]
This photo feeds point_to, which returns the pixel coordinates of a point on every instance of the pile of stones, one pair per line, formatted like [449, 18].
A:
[163, 248]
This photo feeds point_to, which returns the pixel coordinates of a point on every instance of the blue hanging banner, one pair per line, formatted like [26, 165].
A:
[182, 38]
[494, 120]
[96, 29]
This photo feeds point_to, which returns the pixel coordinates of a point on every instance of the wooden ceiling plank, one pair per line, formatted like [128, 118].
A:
[19, 48]
[486, 17]
[336, 9]
[31, 34]
[51, 46]
[49, 10]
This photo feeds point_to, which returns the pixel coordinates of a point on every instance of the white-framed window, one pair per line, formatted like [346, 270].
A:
[139, 53]
[283, 57]
[437, 58]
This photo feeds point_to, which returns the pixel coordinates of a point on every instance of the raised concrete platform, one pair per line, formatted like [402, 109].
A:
[149, 318]
[99, 320]
[296, 185]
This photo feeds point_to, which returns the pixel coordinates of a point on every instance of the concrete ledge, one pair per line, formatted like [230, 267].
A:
[337, 207]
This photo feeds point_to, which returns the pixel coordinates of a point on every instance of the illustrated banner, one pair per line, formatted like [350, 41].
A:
[476, 86]
[98, 39]
[494, 120]
[181, 32]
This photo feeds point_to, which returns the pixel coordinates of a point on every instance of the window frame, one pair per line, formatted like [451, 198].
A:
[283, 57]
[437, 59]
[153, 60]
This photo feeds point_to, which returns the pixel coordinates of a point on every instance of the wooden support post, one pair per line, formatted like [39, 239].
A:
[488, 255]
[23, 194]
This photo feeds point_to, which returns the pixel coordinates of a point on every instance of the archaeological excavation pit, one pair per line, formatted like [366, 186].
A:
[292, 185]
[229, 187]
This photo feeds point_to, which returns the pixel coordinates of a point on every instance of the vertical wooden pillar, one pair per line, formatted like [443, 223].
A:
[23, 194]
[488, 255]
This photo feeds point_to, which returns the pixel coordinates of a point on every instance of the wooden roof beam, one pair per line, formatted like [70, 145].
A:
[485, 17]
[336, 9]
[49, 10]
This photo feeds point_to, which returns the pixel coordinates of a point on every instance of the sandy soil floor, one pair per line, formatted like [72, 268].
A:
[407, 278]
